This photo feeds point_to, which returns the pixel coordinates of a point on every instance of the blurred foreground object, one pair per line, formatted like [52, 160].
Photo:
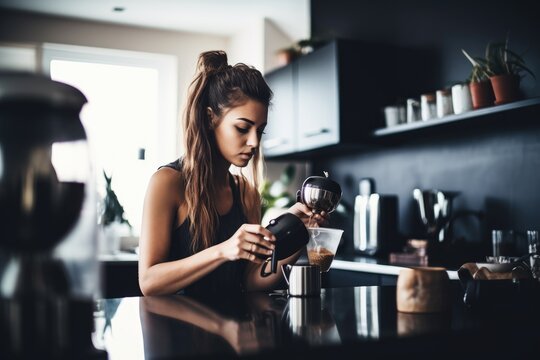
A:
[48, 266]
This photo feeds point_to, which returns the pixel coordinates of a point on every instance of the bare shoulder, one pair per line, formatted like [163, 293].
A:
[166, 184]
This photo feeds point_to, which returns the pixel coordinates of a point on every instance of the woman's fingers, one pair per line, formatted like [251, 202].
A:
[258, 230]
[256, 241]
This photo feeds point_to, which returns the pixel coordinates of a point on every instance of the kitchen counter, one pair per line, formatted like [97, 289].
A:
[121, 273]
[350, 321]
[341, 262]
[374, 265]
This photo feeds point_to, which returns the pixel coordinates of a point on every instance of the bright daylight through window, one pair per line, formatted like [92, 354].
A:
[129, 108]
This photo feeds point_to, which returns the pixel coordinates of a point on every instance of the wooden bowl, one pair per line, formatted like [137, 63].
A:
[423, 290]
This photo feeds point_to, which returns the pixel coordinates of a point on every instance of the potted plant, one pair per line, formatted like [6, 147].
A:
[505, 69]
[275, 197]
[112, 218]
[479, 83]
[286, 55]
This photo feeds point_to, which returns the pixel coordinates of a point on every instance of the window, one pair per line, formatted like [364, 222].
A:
[131, 106]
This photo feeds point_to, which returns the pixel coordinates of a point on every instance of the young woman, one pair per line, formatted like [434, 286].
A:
[200, 230]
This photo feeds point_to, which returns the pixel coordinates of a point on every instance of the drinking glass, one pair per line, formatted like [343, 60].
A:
[534, 251]
[503, 242]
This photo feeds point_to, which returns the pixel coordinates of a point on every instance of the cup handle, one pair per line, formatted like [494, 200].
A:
[284, 272]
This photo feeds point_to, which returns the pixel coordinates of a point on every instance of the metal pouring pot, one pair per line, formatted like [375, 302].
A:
[320, 193]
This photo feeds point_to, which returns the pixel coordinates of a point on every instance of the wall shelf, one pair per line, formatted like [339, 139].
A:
[503, 116]
[451, 119]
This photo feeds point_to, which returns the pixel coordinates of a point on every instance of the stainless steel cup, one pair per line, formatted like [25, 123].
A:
[303, 280]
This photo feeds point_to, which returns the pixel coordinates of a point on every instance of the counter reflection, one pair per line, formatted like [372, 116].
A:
[189, 326]
[310, 321]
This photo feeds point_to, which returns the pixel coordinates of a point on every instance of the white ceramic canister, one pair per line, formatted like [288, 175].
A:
[461, 98]
[391, 115]
[413, 110]
[428, 106]
[444, 103]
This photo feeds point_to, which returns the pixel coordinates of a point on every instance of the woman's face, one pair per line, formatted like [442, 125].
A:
[239, 130]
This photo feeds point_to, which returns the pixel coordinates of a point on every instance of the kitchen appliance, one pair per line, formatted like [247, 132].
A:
[438, 217]
[48, 265]
[303, 280]
[375, 220]
[320, 193]
[435, 208]
[291, 235]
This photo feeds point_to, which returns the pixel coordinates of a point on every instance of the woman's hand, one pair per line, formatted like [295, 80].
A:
[250, 242]
[306, 215]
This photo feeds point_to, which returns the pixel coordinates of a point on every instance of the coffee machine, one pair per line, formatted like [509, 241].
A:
[48, 266]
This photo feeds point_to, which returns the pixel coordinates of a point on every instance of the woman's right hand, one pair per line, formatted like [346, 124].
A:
[251, 242]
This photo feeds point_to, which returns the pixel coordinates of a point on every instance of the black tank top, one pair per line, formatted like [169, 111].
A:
[228, 277]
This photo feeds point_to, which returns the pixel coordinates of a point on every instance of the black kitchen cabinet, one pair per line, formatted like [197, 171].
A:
[329, 98]
[318, 102]
[280, 137]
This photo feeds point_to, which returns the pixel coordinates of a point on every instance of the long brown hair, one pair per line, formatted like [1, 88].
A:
[218, 86]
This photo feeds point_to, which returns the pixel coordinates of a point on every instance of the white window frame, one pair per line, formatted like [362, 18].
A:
[165, 141]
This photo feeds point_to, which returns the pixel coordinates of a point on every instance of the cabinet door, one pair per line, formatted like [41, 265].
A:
[280, 137]
[318, 105]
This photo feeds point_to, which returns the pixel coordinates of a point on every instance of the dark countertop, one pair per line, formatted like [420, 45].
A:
[360, 321]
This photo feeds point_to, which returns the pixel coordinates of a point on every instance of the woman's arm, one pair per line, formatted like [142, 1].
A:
[156, 275]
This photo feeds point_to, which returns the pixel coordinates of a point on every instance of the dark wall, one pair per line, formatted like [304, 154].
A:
[496, 169]
[442, 26]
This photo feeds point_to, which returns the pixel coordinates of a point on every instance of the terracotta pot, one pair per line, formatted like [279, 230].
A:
[481, 94]
[506, 88]
[285, 57]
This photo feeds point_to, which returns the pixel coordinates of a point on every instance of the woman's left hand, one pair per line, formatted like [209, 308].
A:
[306, 215]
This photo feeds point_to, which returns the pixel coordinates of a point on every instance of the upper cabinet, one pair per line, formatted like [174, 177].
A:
[327, 98]
[280, 137]
[317, 99]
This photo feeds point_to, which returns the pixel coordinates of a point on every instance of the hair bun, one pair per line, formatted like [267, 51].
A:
[212, 61]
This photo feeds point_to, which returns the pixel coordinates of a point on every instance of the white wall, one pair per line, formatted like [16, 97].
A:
[254, 45]
[33, 29]
[274, 39]
[247, 46]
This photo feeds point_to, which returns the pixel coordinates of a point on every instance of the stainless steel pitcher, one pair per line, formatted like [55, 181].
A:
[303, 280]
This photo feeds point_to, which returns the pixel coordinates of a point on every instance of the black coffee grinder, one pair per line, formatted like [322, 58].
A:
[48, 266]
